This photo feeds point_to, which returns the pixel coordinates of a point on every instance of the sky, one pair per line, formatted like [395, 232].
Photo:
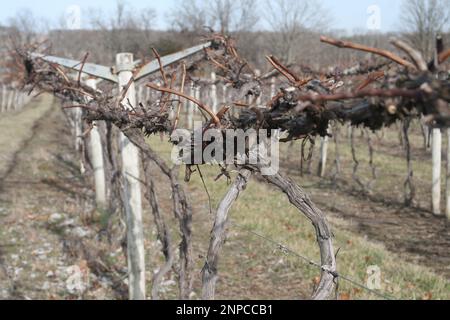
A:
[350, 15]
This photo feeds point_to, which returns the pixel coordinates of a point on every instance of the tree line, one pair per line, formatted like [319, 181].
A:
[288, 29]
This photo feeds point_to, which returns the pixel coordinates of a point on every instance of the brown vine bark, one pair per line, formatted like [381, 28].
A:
[162, 230]
[218, 234]
[298, 197]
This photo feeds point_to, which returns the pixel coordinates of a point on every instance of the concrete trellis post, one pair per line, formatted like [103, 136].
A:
[17, 101]
[224, 93]
[198, 97]
[133, 201]
[14, 104]
[4, 99]
[273, 88]
[130, 154]
[140, 94]
[171, 106]
[7, 100]
[447, 191]
[78, 131]
[147, 95]
[190, 106]
[436, 176]
[214, 100]
[323, 156]
[10, 106]
[97, 159]
[259, 99]
[22, 100]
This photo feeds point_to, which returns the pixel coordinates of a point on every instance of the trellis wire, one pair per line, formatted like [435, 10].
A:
[286, 250]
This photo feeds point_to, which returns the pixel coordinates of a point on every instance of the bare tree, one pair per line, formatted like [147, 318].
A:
[146, 22]
[247, 16]
[226, 16]
[189, 16]
[25, 27]
[422, 20]
[127, 29]
[221, 14]
[290, 20]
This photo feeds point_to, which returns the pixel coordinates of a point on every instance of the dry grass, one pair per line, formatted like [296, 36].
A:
[16, 126]
[252, 268]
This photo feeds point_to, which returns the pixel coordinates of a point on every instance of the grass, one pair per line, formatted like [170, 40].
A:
[260, 264]
[17, 125]
[251, 268]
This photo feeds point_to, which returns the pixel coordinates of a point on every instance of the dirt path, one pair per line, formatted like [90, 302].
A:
[48, 251]
[41, 197]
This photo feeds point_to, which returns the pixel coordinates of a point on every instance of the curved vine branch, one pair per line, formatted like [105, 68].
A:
[360, 47]
[218, 234]
[298, 197]
[162, 230]
[181, 94]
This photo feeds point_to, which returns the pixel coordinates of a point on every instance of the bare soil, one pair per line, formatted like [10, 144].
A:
[42, 259]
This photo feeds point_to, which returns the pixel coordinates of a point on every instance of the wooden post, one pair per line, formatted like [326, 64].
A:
[132, 189]
[436, 177]
[97, 159]
[214, 101]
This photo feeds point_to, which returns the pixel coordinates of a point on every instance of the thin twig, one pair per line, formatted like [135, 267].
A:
[283, 70]
[360, 47]
[415, 55]
[59, 70]
[444, 56]
[161, 68]
[385, 93]
[181, 94]
[370, 79]
[83, 62]
[183, 80]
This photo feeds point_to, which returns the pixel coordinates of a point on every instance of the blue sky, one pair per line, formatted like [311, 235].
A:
[347, 14]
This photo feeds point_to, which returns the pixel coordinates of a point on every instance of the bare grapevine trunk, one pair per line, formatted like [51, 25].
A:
[162, 229]
[218, 234]
[301, 201]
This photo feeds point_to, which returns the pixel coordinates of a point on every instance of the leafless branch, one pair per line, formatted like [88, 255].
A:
[218, 234]
[360, 47]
